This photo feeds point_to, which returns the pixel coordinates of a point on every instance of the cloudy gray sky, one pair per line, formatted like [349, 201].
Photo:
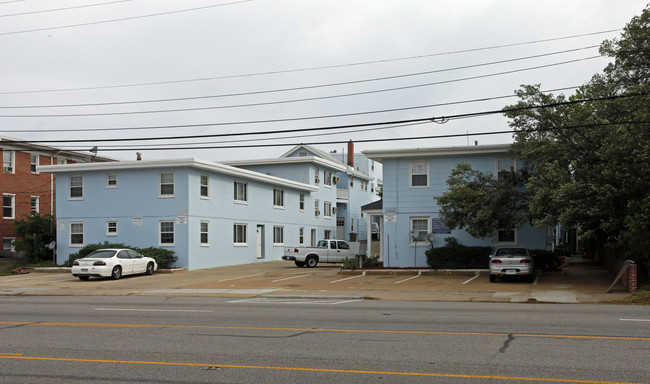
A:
[94, 70]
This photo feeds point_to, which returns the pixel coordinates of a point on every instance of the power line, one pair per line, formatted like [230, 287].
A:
[64, 9]
[58, 130]
[318, 97]
[440, 119]
[312, 68]
[299, 88]
[377, 140]
[121, 19]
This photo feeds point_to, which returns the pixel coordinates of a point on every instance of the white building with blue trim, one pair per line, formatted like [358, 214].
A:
[412, 178]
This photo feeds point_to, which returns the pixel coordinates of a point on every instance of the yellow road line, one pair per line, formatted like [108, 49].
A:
[122, 325]
[421, 374]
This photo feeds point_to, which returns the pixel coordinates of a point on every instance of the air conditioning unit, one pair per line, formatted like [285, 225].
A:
[317, 213]
[334, 209]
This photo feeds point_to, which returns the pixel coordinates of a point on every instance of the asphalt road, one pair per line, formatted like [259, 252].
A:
[156, 339]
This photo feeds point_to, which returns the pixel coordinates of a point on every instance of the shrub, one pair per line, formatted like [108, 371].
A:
[350, 263]
[163, 257]
[456, 256]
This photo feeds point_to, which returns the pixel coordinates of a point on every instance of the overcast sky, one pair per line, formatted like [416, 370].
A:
[227, 67]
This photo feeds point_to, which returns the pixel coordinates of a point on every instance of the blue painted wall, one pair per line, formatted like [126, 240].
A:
[401, 203]
[137, 195]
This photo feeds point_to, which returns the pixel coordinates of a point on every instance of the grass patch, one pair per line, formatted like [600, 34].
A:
[637, 298]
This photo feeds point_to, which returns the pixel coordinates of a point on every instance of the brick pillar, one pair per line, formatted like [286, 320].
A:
[631, 278]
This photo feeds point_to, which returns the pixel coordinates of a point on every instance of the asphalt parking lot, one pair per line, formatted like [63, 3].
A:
[580, 282]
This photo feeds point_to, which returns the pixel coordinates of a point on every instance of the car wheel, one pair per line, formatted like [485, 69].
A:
[311, 261]
[116, 273]
[84, 278]
[300, 264]
[150, 268]
[493, 278]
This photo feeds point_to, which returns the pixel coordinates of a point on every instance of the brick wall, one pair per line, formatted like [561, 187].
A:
[614, 265]
[25, 184]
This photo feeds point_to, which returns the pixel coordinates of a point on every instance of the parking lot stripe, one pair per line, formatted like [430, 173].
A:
[348, 278]
[410, 278]
[289, 278]
[240, 277]
[477, 275]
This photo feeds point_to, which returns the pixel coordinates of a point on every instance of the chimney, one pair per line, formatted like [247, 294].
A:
[351, 154]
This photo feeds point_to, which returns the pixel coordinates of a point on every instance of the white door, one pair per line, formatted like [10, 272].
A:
[260, 254]
[340, 228]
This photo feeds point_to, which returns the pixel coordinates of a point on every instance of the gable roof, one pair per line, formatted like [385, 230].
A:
[289, 160]
[343, 167]
[177, 163]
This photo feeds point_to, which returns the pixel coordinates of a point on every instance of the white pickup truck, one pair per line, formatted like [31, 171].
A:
[326, 251]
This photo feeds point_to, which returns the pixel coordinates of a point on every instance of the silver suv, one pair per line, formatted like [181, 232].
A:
[510, 261]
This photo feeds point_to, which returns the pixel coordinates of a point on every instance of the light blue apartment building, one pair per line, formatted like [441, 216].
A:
[411, 180]
[210, 214]
[353, 184]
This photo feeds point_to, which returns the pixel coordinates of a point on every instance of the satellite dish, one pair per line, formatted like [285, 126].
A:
[430, 236]
[51, 245]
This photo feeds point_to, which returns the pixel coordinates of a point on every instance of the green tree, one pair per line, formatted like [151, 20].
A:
[482, 203]
[33, 234]
[589, 161]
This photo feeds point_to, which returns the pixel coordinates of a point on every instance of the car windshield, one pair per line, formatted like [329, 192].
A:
[510, 251]
[100, 254]
[322, 244]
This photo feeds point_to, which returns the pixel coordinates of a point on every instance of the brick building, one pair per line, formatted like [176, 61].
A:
[23, 189]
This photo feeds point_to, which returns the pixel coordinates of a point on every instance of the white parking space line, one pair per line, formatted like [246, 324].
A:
[240, 277]
[348, 278]
[151, 310]
[634, 319]
[410, 278]
[477, 275]
[292, 277]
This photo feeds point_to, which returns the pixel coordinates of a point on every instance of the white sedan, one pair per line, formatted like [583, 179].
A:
[113, 263]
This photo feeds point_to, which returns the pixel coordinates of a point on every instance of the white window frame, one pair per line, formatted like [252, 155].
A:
[327, 234]
[327, 209]
[9, 240]
[301, 236]
[236, 195]
[83, 237]
[8, 161]
[316, 208]
[316, 175]
[278, 234]
[278, 193]
[327, 178]
[109, 225]
[301, 205]
[205, 186]
[111, 180]
[351, 182]
[74, 187]
[166, 183]
[427, 220]
[499, 241]
[499, 168]
[12, 199]
[32, 164]
[240, 234]
[35, 205]
[204, 231]
[160, 233]
[415, 163]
